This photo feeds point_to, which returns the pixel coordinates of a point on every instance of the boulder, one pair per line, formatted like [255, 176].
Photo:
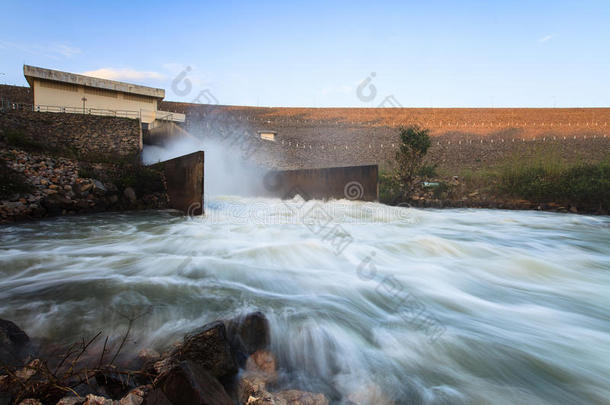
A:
[84, 188]
[263, 362]
[290, 397]
[71, 400]
[135, 397]
[295, 397]
[264, 398]
[30, 401]
[130, 194]
[250, 385]
[248, 334]
[29, 371]
[209, 347]
[99, 188]
[15, 345]
[156, 397]
[97, 400]
[189, 383]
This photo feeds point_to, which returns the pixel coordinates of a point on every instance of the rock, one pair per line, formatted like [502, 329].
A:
[294, 397]
[250, 385]
[71, 400]
[263, 362]
[189, 383]
[28, 371]
[248, 334]
[156, 397]
[264, 398]
[209, 347]
[573, 209]
[30, 401]
[164, 365]
[85, 187]
[15, 345]
[113, 199]
[148, 354]
[130, 194]
[99, 188]
[131, 399]
[97, 400]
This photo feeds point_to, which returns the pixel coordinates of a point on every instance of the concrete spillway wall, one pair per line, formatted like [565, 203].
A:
[352, 183]
[184, 182]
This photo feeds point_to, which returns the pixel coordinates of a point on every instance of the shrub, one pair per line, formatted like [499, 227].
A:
[427, 171]
[414, 144]
[18, 140]
[12, 182]
[389, 188]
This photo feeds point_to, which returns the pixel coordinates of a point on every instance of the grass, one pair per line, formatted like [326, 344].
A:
[584, 185]
[544, 179]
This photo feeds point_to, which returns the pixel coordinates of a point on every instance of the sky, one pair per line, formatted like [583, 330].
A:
[325, 53]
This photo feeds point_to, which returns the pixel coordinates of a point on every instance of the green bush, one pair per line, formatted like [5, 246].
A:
[12, 182]
[18, 140]
[427, 171]
[414, 144]
[389, 188]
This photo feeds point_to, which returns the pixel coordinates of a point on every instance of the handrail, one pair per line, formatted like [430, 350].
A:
[6, 105]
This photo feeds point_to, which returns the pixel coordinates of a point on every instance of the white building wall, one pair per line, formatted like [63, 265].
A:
[56, 94]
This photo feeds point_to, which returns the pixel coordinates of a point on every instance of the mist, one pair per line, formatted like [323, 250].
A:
[230, 167]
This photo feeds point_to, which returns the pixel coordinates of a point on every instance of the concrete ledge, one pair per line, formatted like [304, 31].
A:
[351, 183]
[65, 77]
[184, 182]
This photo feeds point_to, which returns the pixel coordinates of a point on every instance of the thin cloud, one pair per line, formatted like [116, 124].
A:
[124, 74]
[545, 39]
[55, 50]
[65, 50]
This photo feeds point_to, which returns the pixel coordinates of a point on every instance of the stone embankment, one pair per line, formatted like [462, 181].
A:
[55, 186]
[222, 363]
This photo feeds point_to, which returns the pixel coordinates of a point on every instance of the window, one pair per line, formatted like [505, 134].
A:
[267, 135]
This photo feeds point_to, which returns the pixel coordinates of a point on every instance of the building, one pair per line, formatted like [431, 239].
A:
[57, 91]
[267, 135]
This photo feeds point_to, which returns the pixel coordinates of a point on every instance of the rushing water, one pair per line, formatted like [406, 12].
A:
[397, 304]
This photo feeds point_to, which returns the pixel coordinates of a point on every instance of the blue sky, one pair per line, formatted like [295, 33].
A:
[425, 54]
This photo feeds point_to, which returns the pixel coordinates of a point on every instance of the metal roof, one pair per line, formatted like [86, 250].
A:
[33, 72]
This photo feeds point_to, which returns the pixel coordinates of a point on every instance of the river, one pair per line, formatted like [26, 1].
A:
[402, 305]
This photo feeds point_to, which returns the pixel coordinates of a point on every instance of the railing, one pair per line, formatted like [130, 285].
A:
[6, 105]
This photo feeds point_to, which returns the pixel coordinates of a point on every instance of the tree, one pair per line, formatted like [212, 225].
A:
[414, 144]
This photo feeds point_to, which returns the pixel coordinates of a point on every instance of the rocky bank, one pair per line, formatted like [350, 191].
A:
[222, 363]
[61, 186]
